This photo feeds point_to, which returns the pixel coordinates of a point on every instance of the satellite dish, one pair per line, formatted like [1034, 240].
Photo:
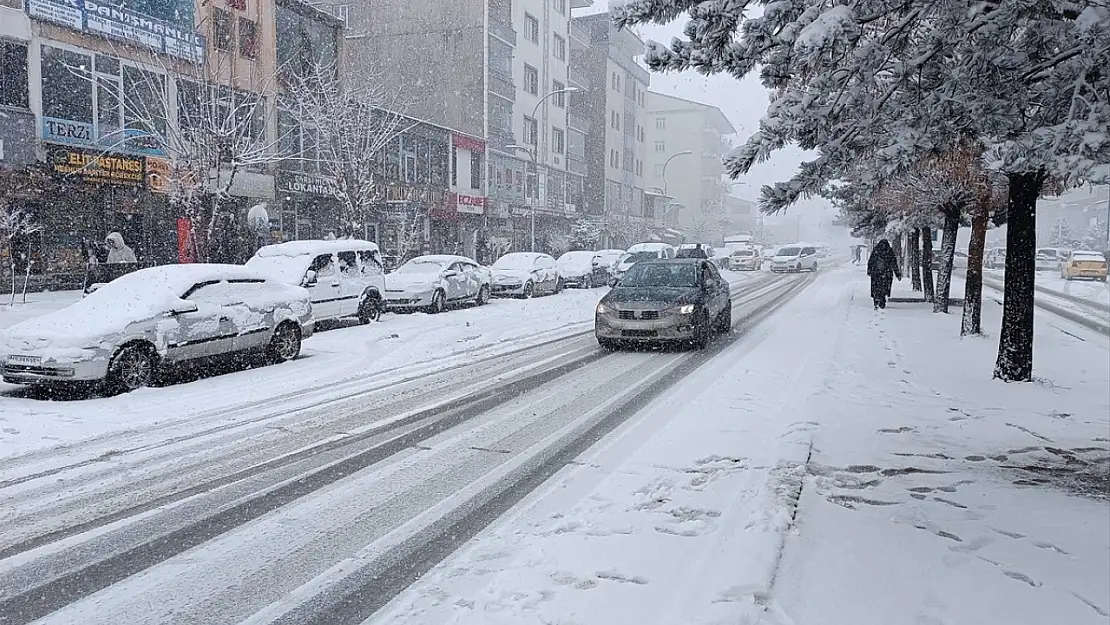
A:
[259, 218]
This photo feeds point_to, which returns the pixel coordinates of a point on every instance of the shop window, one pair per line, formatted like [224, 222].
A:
[248, 38]
[66, 86]
[475, 170]
[14, 90]
[145, 106]
[223, 29]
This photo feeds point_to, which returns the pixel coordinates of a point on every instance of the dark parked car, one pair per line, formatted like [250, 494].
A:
[665, 301]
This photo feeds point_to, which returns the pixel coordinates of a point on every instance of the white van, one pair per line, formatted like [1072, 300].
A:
[344, 277]
[642, 251]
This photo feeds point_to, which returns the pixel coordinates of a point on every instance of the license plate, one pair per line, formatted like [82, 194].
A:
[24, 360]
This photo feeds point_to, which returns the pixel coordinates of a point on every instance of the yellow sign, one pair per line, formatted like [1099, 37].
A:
[95, 167]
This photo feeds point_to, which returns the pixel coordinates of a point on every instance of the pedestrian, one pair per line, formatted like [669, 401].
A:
[118, 252]
[882, 266]
[856, 254]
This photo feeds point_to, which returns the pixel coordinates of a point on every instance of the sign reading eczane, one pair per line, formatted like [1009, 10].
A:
[116, 22]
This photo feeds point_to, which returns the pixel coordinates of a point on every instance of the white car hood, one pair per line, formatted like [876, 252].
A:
[575, 269]
[785, 259]
[511, 274]
[410, 282]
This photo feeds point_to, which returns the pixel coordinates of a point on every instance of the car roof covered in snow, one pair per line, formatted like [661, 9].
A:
[649, 247]
[318, 246]
[1088, 253]
[441, 258]
[178, 278]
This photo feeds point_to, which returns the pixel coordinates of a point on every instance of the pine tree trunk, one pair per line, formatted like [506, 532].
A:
[973, 283]
[915, 259]
[947, 253]
[927, 263]
[1015, 343]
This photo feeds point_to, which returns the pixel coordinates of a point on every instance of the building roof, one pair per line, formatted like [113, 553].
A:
[662, 103]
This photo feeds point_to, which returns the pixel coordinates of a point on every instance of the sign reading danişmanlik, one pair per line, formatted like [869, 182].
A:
[108, 20]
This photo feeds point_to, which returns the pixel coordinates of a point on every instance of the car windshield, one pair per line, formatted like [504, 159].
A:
[789, 251]
[743, 253]
[421, 266]
[680, 275]
[519, 262]
[636, 257]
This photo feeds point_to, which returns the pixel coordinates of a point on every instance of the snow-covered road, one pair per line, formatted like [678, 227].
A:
[391, 465]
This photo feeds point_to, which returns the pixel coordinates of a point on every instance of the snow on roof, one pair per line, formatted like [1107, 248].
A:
[441, 258]
[318, 246]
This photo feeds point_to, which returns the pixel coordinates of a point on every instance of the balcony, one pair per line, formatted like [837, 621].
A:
[500, 137]
[576, 166]
[578, 78]
[502, 84]
[581, 33]
[578, 122]
[502, 29]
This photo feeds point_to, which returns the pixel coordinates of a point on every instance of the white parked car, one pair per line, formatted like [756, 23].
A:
[642, 251]
[608, 260]
[524, 274]
[582, 269]
[129, 328]
[344, 277]
[1051, 258]
[795, 258]
[434, 282]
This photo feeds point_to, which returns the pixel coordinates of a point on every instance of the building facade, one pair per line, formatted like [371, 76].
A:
[688, 142]
[615, 137]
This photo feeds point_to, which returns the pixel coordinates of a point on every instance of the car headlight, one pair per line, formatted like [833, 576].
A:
[688, 309]
[602, 309]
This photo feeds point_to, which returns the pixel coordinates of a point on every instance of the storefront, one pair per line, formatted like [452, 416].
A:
[405, 217]
[309, 208]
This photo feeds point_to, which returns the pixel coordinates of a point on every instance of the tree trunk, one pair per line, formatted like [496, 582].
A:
[927, 263]
[973, 283]
[915, 259]
[947, 253]
[1015, 343]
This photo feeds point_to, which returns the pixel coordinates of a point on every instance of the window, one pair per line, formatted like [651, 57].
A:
[640, 134]
[615, 120]
[616, 82]
[659, 171]
[348, 265]
[66, 90]
[13, 74]
[370, 264]
[639, 168]
[531, 79]
[223, 29]
[531, 28]
[629, 125]
[343, 12]
[475, 170]
[559, 99]
[660, 146]
[561, 7]
[324, 266]
[248, 38]
[558, 141]
[531, 131]
[660, 123]
[560, 48]
[628, 160]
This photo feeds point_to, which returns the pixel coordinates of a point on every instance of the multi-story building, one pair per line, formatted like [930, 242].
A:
[688, 143]
[494, 69]
[616, 141]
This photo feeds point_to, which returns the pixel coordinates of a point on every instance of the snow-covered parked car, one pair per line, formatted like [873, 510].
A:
[608, 259]
[131, 327]
[434, 282]
[344, 277]
[583, 270]
[524, 274]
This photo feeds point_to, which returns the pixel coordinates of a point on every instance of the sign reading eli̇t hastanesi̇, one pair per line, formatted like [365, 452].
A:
[97, 167]
[110, 20]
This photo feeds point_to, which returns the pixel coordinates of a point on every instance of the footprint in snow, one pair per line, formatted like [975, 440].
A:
[1021, 577]
[614, 576]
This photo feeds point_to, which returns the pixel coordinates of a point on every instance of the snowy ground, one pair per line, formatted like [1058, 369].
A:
[1093, 290]
[929, 493]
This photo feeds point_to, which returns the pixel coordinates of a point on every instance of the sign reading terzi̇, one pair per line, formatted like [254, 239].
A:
[108, 20]
[95, 167]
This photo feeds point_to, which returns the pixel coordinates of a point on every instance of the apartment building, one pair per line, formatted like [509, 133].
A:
[495, 69]
[616, 139]
[688, 142]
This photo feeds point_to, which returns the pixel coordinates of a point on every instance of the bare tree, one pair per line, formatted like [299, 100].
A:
[15, 223]
[352, 124]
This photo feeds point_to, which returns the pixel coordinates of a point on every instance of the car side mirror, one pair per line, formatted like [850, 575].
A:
[309, 278]
[613, 282]
[184, 307]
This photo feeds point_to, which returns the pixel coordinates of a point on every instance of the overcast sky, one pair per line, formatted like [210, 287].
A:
[744, 103]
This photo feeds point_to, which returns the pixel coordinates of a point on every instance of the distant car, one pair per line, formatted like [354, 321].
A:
[435, 282]
[959, 260]
[642, 251]
[524, 274]
[344, 277]
[582, 269]
[129, 328]
[768, 254]
[694, 250]
[659, 301]
[1051, 258]
[608, 260]
[995, 258]
[1084, 264]
[748, 259]
[795, 258]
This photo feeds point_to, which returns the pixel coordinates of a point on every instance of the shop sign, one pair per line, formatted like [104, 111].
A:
[95, 167]
[161, 177]
[472, 204]
[405, 193]
[110, 20]
[301, 183]
[56, 130]
[468, 143]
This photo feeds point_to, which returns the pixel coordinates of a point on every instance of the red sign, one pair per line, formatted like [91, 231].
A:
[468, 143]
[185, 249]
[239, 5]
[473, 204]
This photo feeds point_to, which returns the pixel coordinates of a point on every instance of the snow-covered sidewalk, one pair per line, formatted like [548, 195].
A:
[929, 493]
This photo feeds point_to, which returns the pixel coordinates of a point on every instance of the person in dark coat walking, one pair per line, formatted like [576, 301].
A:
[882, 266]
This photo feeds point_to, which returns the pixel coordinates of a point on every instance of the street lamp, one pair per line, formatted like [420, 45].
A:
[532, 154]
[668, 162]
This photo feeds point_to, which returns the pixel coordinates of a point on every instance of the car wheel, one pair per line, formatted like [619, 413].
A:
[369, 310]
[285, 344]
[483, 295]
[724, 320]
[528, 289]
[439, 303]
[132, 368]
[702, 331]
